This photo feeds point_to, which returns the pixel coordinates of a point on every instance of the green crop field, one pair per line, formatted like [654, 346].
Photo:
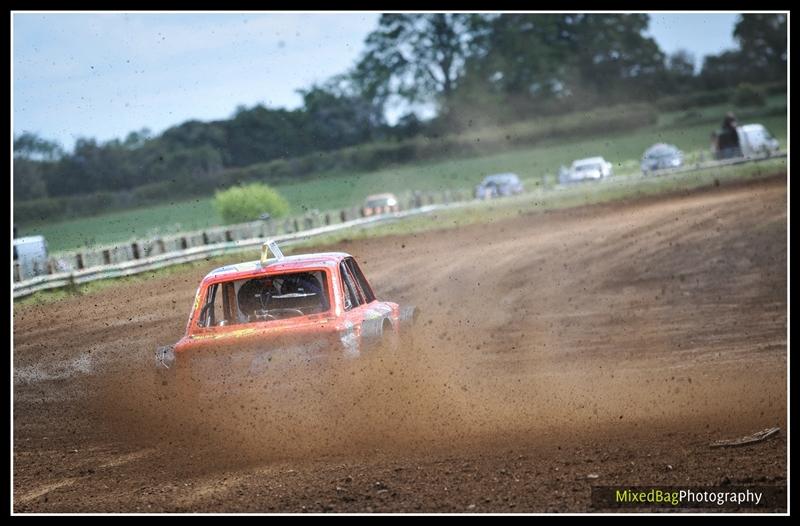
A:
[534, 165]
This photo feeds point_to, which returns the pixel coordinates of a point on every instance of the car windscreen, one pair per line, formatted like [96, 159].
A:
[375, 203]
[265, 298]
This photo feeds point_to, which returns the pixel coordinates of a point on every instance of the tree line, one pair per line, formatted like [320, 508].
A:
[473, 69]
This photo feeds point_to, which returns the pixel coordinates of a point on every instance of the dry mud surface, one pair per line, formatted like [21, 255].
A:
[556, 351]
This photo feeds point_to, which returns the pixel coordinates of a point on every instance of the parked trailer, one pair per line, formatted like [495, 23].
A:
[30, 253]
[752, 141]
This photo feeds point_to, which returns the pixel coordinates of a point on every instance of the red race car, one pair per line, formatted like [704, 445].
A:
[310, 304]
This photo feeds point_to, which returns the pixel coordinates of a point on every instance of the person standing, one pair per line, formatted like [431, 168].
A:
[728, 145]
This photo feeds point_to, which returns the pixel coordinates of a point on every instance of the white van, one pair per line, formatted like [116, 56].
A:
[755, 140]
[31, 254]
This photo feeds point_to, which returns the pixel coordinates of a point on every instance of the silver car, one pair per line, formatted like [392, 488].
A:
[661, 157]
[499, 185]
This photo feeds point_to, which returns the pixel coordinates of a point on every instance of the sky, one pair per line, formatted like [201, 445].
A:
[104, 75]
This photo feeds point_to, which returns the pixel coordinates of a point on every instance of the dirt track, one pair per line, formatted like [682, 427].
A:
[593, 346]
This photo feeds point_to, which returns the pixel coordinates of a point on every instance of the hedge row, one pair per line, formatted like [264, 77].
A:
[713, 97]
[36, 210]
[379, 155]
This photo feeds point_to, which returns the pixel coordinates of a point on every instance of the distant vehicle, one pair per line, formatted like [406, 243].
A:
[754, 141]
[661, 157]
[589, 169]
[31, 254]
[499, 185]
[380, 204]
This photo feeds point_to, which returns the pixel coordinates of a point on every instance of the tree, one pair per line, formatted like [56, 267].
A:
[761, 56]
[681, 64]
[419, 57]
[612, 54]
[762, 42]
[407, 126]
[339, 116]
[34, 159]
[723, 70]
[523, 64]
[195, 134]
[680, 75]
[30, 146]
[28, 179]
[262, 134]
[137, 139]
[521, 53]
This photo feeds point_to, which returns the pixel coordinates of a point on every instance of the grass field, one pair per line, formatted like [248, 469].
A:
[536, 165]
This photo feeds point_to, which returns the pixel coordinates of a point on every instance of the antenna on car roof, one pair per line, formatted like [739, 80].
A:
[270, 246]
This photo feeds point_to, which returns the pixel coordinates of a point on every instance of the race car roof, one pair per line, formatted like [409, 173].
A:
[287, 263]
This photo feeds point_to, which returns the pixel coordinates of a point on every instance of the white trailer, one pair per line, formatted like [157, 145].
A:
[755, 140]
[31, 254]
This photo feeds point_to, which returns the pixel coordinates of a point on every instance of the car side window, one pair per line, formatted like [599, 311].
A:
[351, 298]
[229, 305]
[207, 314]
[362, 298]
[219, 308]
[361, 281]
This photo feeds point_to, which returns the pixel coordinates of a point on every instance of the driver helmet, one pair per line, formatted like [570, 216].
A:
[301, 283]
